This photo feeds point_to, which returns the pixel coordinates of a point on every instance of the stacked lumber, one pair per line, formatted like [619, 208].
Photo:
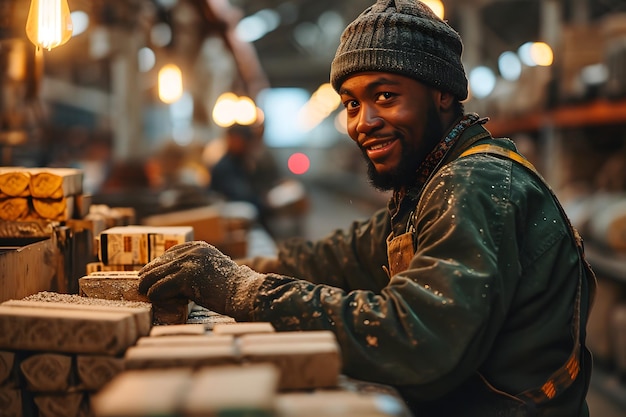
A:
[138, 244]
[305, 360]
[236, 369]
[122, 251]
[58, 350]
[205, 392]
[41, 193]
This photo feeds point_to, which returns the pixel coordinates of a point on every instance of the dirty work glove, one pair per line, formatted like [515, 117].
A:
[201, 273]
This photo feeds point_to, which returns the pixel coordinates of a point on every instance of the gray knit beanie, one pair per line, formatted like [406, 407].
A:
[403, 37]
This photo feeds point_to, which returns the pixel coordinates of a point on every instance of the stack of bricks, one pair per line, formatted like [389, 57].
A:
[58, 350]
[42, 194]
[122, 251]
[235, 369]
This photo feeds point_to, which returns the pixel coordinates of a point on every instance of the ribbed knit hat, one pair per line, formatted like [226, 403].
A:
[403, 37]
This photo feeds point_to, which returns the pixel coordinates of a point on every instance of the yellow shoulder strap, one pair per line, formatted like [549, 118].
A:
[499, 150]
[563, 377]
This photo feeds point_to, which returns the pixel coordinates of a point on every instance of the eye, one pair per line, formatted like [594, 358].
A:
[384, 96]
[351, 104]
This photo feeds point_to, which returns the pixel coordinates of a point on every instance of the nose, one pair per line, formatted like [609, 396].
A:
[368, 120]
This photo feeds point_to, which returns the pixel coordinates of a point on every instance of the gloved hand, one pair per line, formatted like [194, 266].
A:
[201, 273]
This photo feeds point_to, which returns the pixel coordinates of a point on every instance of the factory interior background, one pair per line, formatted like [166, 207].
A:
[140, 93]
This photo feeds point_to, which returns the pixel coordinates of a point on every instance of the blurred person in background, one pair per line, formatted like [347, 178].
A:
[248, 172]
[469, 293]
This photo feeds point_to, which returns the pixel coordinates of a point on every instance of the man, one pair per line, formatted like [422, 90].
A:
[238, 176]
[469, 293]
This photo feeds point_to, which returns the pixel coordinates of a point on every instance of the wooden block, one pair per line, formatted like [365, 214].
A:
[187, 340]
[124, 285]
[178, 329]
[138, 245]
[7, 361]
[311, 336]
[95, 371]
[14, 208]
[111, 285]
[15, 183]
[141, 311]
[53, 208]
[11, 402]
[194, 356]
[47, 372]
[337, 403]
[82, 202]
[30, 269]
[65, 330]
[238, 329]
[59, 405]
[153, 392]
[233, 391]
[55, 182]
[302, 365]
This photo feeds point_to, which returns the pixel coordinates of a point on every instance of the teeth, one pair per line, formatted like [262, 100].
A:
[379, 146]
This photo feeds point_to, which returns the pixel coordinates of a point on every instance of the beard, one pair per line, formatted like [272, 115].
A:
[405, 173]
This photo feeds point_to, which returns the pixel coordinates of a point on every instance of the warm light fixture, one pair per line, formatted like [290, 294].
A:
[170, 84]
[230, 109]
[436, 6]
[49, 23]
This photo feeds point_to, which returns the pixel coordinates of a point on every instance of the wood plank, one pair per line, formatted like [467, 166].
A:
[169, 356]
[111, 285]
[30, 269]
[338, 403]
[132, 393]
[178, 330]
[302, 365]
[238, 329]
[47, 372]
[142, 312]
[187, 340]
[53, 208]
[95, 371]
[14, 208]
[11, 402]
[55, 182]
[233, 391]
[311, 336]
[65, 330]
[59, 405]
[7, 361]
[15, 183]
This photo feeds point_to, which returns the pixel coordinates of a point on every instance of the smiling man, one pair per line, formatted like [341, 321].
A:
[469, 292]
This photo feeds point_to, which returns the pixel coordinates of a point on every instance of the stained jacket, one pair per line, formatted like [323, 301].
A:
[484, 310]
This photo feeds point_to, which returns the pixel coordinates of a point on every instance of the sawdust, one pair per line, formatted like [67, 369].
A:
[53, 297]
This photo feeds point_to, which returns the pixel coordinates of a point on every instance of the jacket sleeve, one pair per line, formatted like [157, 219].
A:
[432, 325]
[354, 258]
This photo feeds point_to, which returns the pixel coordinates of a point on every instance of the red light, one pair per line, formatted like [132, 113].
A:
[298, 163]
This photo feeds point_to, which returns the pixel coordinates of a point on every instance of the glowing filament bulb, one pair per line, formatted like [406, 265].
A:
[49, 23]
[170, 84]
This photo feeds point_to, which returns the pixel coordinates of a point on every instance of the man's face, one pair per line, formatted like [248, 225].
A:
[395, 122]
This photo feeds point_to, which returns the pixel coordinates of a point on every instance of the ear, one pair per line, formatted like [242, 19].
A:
[445, 101]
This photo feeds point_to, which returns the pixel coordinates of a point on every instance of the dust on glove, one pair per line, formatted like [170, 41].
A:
[200, 272]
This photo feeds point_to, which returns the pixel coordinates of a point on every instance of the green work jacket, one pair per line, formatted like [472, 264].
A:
[484, 310]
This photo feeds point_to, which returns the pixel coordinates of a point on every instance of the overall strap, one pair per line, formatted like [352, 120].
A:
[563, 377]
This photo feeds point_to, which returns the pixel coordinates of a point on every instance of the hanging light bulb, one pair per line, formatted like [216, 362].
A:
[170, 83]
[49, 23]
